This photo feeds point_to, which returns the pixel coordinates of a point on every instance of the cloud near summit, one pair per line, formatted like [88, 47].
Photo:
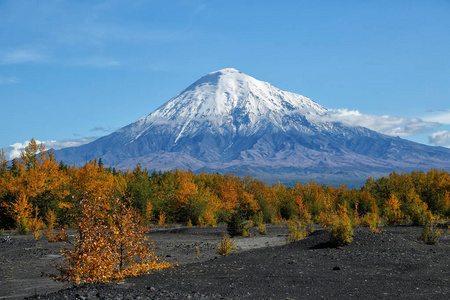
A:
[14, 150]
[440, 138]
[393, 126]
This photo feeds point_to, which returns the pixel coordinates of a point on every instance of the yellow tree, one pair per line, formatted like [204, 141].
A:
[7, 218]
[371, 217]
[247, 203]
[301, 208]
[35, 183]
[416, 209]
[186, 190]
[110, 243]
[212, 206]
[228, 196]
[392, 211]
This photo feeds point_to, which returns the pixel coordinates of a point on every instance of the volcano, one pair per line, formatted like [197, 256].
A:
[229, 122]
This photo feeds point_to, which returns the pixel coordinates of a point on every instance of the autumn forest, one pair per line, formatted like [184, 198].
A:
[38, 193]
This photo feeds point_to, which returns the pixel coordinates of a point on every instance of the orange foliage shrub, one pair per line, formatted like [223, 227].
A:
[209, 219]
[186, 190]
[247, 203]
[228, 196]
[110, 242]
[22, 210]
[392, 211]
[109, 247]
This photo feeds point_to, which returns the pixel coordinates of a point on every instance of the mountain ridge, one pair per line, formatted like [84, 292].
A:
[228, 121]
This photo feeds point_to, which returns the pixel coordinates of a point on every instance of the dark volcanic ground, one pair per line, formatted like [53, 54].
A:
[391, 265]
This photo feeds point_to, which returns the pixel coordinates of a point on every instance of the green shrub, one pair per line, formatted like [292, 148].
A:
[258, 219]
[296, 231]
[339, 225]
[268, 211]
[341, 233]
[430, 234]
[299, 229]
[287, 210]
[23, 226]
[309, 226]
[236, 225]
[223, 216]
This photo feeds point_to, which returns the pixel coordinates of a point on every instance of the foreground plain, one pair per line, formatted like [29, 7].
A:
[390, 264]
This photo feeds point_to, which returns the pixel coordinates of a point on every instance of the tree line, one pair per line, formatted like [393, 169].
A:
[35, 186]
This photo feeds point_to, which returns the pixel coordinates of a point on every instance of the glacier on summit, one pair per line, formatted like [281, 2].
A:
[228, 121]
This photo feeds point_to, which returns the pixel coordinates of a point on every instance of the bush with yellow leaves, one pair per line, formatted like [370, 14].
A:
[109, 247]
[110, 242]
[339, 225]
[225, 246]
[392, 211]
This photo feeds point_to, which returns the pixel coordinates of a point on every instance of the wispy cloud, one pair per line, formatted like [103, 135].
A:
[102, 129]
[95, 62]
[394, 126]
[8, 80]
[33, 56]
[18, 56]
[107, 34]
[441, 116]
[14, 150]
[440, 138]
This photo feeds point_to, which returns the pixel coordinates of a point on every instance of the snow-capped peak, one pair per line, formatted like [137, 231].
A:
[224, 93]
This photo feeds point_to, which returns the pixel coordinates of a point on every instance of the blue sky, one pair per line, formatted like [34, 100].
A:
[71, 71]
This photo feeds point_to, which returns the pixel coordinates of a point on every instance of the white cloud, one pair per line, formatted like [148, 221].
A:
[68, 143]
[394, 126]
[14, 150]
[8, 80]
[22, 56]
[440, 138]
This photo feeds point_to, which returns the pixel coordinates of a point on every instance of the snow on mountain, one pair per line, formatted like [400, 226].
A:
[216, 95]
[225, 97]
[228, 121]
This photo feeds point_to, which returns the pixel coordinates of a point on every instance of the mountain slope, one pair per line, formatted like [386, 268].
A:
[230, 122]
